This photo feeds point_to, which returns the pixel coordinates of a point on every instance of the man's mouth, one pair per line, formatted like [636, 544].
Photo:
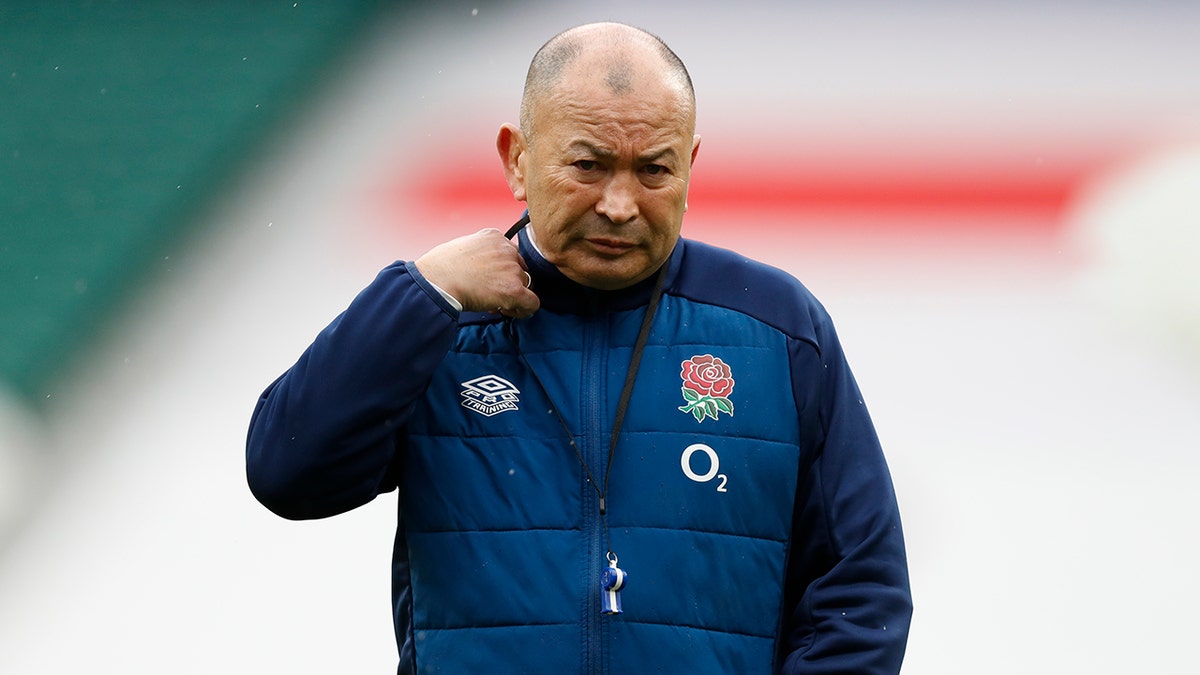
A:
[609, 246]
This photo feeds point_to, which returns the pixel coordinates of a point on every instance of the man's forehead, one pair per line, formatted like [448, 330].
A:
[629, 92]
[604, 148]
[607, 124]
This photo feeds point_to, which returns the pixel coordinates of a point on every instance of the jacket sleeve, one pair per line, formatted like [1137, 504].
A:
[847, 600]
[322, 438]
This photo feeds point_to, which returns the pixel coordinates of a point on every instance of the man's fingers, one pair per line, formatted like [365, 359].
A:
[520, 302]
[484, 272]
[523, 306]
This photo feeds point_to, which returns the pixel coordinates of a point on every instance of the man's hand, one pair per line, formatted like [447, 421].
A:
[484, 272]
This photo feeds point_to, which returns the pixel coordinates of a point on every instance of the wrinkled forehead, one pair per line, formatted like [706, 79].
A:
[613, 120]
[620, 95]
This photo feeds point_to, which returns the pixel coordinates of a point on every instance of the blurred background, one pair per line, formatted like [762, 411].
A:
[998, 202]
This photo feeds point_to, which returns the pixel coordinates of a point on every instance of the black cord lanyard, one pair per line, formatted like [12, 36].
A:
[517, 226]
[626, 392]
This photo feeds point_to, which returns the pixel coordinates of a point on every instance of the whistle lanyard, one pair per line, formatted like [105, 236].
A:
[613, 577]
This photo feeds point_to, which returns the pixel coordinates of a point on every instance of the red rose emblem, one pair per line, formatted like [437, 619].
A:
[707, 383]
[707, 376]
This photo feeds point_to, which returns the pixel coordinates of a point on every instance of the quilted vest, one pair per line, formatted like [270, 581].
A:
[501, 545]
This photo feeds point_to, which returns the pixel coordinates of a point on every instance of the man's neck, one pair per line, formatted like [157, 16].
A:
[533, 241]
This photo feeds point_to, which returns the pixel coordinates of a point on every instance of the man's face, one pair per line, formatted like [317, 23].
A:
[605, 176]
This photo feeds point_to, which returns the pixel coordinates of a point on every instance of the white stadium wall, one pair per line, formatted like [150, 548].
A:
[964, 189]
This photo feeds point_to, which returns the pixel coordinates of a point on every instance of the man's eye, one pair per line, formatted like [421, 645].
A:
[655, 174]
[586, 165]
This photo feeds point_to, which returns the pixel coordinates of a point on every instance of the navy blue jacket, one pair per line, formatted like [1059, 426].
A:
[749, 501]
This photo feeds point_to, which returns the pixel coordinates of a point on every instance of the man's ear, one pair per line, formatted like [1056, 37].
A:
[691, 163]
[510, 143]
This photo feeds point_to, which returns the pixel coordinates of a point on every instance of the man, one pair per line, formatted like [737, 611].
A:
[617, 451]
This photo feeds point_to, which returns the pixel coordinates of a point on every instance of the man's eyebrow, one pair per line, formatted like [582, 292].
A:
[591, 149]
[667, 152]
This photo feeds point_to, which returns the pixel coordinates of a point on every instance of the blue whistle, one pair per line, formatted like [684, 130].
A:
[611, 583]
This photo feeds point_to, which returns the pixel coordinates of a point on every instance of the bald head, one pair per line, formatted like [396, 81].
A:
[612, 49]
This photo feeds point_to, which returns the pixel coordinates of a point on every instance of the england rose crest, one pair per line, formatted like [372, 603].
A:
[707, 383]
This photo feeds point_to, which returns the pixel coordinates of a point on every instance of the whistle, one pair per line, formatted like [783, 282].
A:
[611, 582]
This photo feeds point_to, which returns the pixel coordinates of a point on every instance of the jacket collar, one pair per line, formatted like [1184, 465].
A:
[560, 294]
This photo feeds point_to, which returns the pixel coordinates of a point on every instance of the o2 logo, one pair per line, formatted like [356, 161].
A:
[714, 466]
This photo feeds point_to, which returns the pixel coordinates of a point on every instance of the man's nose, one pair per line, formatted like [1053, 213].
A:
[619, 200]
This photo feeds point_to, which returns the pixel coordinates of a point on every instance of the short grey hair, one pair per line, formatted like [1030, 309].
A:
[563, 49]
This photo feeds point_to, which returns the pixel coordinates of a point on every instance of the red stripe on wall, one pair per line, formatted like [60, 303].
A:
[825, 185]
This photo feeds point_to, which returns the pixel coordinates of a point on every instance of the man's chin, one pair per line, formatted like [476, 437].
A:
[608, 278]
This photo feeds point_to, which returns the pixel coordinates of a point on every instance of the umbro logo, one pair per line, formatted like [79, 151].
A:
[490, 395]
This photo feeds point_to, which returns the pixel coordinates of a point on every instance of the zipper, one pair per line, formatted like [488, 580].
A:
[591, 448]
[595, 358]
